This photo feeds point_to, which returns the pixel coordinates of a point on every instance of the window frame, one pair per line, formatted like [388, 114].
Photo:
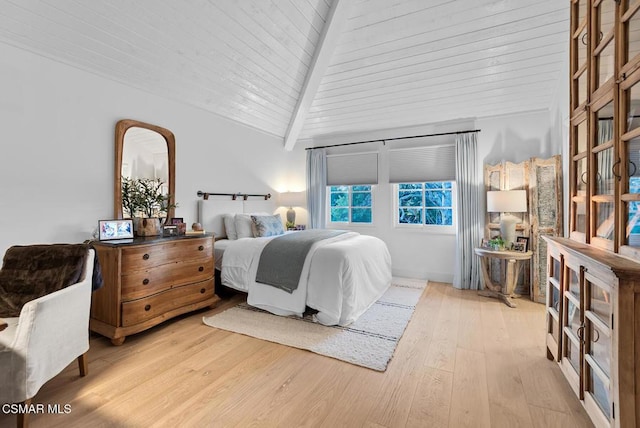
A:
[350, 207]
[430, 228]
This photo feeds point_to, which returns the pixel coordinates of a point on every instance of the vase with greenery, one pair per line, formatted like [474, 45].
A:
[144, 201]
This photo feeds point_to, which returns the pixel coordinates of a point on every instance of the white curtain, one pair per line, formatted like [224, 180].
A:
[469, 233]
[316, 187]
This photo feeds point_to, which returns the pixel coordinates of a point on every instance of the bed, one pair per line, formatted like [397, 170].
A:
[340, 277]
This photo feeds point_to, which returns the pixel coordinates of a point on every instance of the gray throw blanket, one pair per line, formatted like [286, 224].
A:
[283, 257]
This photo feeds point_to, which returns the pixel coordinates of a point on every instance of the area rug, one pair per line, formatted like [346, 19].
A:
[368, 342]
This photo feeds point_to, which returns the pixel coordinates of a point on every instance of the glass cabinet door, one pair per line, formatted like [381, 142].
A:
[597, 344]
[603, 222]
[630, 168]
[554, 286]
[603, 42]
[572, 327]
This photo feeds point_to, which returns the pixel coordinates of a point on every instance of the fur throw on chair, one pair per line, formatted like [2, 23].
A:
[33, 271]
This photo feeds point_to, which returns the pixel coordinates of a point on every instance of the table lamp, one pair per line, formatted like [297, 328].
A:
[507, 202]
[291, 199]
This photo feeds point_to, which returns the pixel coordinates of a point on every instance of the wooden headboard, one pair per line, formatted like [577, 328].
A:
[212, 210]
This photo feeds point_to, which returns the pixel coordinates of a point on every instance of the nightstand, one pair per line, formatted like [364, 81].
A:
[514, 260]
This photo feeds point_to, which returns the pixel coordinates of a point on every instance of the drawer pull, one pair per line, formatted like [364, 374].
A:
[201, 268]
[147, 307]
[145, 281]
[202, 290]
[201, 248]
[145, 257]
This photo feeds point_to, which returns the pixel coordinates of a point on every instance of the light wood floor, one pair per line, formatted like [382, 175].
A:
[464, 361]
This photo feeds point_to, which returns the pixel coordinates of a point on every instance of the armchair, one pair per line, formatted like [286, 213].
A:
[50, 332]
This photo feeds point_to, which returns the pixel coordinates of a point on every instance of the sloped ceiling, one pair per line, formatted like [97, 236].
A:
[374, 64]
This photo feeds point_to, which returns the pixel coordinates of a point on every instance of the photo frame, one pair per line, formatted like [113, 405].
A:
[524, 240]
[519, 247]
[484, 243]
[169, 230]
[177, 220]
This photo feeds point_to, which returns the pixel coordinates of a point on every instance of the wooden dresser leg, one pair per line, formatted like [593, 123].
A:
[23, 418]
[83, 365]
[118, 341]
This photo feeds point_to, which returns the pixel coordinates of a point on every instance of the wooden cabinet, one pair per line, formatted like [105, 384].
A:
[149, 281]
[593, 328]
[605, 125]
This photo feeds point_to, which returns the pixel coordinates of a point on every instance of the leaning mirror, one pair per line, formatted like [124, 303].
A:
[144, 152]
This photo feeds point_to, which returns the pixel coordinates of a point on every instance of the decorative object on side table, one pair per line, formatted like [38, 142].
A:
[497, 243]
[507, 202]
[523, 240]
[291, 199]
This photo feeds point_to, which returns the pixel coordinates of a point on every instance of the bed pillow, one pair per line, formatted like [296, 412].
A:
[230, 226]
[267, 225]
[243, 226]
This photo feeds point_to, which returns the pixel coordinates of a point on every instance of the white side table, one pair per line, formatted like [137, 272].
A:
[514, 264]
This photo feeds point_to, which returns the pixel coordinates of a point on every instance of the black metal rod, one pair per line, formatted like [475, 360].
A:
[382, 140]
[234, 196]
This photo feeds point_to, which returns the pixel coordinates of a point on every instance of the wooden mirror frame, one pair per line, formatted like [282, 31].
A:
[121, 128]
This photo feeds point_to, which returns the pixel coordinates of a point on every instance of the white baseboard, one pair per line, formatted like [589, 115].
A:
[420, 274]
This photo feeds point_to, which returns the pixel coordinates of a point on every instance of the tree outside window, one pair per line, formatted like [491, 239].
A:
[350, 204]
[429, 203]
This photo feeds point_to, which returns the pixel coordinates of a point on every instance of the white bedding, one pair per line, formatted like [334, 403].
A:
[342, 276]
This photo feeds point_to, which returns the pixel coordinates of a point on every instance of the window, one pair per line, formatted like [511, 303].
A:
[350, 204]
[426, 204]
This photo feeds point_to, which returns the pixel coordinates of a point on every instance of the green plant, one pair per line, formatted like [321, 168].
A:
[497, 242]
[143, 197]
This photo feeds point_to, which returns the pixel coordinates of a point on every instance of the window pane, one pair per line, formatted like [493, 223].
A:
[361, 215]
[440, 198]
[605, 220]
[410, 199]
[361, 199]
[442, 217]
[433, 185]
[340, 214]
[410, 215]
[339, 199]
[407, 186]
[339, 188]
[633, 225]
[447, 184]
[361, 188]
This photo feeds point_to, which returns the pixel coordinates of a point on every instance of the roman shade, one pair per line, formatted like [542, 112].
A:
[421, 164]
[352, 169]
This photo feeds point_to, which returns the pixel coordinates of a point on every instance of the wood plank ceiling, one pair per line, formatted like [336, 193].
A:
[391, 63]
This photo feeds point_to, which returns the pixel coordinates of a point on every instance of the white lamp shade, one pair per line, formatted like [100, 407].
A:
[507, 201]
[292, 199]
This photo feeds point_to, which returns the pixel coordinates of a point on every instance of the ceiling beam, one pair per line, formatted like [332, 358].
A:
[321, 57]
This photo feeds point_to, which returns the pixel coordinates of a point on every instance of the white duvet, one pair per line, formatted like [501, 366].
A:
[341, 277]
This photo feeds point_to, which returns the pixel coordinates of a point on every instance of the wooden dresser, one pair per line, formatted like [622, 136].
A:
[593, 328]
[149, 281]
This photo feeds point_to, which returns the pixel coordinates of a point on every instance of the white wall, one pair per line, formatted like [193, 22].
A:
[422, 254]
[56, 168]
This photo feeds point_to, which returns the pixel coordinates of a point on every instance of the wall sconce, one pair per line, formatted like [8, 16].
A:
[292, 199]
[507, 202]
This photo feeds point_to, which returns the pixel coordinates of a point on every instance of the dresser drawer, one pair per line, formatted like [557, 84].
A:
[147, 256]
[144, 283]
[137, 311]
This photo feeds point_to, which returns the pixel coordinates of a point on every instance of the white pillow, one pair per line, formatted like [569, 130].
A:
[230, 226]
[243, 224]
